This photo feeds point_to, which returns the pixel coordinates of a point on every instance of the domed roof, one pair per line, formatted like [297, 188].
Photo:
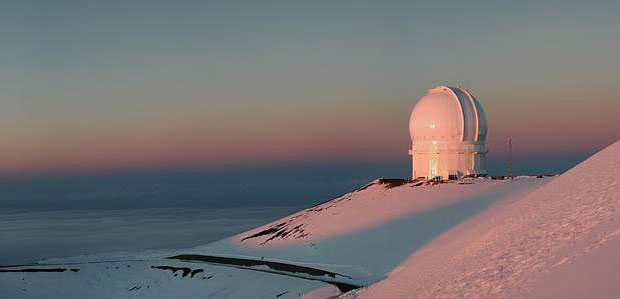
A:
[447, 115]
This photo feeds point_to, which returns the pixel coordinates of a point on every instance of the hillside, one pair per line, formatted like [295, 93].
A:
[366, 233]
[343, 244]
[562, 240]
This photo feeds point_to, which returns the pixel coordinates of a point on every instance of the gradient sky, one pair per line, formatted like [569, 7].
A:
[99, 84]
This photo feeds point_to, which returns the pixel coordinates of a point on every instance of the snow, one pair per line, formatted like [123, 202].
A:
[365, 234]
[152, 279]
[593, 274]
[560, 240]
[358, 237]
[391, 238]
[373, 205]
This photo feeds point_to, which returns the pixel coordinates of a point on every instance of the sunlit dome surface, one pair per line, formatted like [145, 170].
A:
[448, 114]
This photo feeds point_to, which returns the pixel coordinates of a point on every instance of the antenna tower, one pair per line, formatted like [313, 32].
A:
[510, 169]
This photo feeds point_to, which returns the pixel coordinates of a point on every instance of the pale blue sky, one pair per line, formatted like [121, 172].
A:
[294, 80]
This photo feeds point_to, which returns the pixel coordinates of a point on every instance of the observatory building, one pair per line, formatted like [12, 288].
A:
[448, 129]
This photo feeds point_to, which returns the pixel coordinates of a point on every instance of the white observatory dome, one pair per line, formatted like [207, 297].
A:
[448, 129]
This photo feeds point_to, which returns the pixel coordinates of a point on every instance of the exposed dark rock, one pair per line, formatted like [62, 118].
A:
[174, 270]
[194, 272]
[392, 183]
[250, 263]
[268, 231]
[282, 267]
[281, 294]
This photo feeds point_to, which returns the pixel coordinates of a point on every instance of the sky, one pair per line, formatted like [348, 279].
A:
[138, 84]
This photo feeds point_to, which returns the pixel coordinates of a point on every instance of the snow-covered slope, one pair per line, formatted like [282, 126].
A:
[562, 240]
[349, 242]
[365, 234]
[533, 237]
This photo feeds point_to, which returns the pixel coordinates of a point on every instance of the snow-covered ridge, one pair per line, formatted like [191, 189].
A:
[377, 202]
[366, 233]
[566, 231]
[292, 228]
